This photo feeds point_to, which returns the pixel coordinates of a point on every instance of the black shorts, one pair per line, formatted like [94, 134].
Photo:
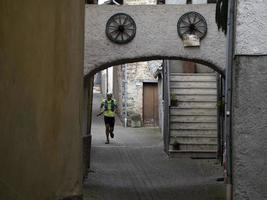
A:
[109, 120]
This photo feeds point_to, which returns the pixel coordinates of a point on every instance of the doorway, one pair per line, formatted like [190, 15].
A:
[150, 104]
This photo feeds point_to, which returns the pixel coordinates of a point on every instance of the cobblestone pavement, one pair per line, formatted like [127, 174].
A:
[134, 167]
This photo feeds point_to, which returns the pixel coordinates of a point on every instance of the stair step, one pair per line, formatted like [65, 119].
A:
[203, 154]
[192, 91]
[193, 126]
[196, 98]
[192, 74]
[195, 133]
[194, 140]
[179, 135]
[196, 105]
[190, 111]
[192, 151]
[193, 119]
[195, 146]
[192, 78]
[195, 85]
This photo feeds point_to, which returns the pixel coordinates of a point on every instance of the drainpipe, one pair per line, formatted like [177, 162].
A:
[228, 87]
[107, 81]
[125, 96]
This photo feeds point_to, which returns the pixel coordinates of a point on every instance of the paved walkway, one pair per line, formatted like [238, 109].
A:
[134, 167]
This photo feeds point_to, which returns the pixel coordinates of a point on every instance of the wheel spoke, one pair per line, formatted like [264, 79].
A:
[185, 22]
[127, 25]
[125, 20]
[113, 27]
[117, 36]
[201, 26]
[120, 19]
[113, 31]
[127, 34]
[199, 31]
[195, 17]
[189, 20]
[116, 22]
[198, 22]
[183, 26]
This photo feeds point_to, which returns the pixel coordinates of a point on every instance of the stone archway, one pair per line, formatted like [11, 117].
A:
[156, 37]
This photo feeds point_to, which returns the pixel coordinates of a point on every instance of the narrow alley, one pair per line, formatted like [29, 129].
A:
[134, 167]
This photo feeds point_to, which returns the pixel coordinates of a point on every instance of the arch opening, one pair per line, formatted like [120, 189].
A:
[103, 66]
[127, 61]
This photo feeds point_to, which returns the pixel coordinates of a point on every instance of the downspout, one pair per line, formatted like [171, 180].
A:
[125, 96]
[166, 93]
[229, 86]
[107, 81]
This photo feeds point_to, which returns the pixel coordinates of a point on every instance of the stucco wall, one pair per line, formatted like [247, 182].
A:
[249, 101]
[41, 68]
[251, 27]
[156, 36]
[250, 128]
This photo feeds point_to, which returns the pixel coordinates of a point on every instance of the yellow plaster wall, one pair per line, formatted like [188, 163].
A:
[41, 70]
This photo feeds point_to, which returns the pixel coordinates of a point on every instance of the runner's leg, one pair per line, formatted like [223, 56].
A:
[107, 132]
[112, 122]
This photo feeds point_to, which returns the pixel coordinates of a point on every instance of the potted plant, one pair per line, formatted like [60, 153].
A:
[174, 100]
[176, 145]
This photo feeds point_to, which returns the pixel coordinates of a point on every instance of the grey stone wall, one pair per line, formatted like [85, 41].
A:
[137, 73]
[250, 128]
[156, 37]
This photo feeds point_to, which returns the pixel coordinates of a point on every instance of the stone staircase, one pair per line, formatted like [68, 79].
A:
[193, 120]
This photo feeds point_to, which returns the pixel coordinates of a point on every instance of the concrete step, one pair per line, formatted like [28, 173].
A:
[193, 119]
[190, 84]
[192, 153]
[193, 78]
[193, 74]
[190, 105]
[195, 133]
[196, 98]
[193, 91]
[197, 146]
[193, 126]
[191, 111]
[195, 140]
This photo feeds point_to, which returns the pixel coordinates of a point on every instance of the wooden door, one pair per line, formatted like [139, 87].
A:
[150, 104]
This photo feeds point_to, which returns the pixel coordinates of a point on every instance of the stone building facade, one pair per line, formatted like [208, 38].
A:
[128, 85]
